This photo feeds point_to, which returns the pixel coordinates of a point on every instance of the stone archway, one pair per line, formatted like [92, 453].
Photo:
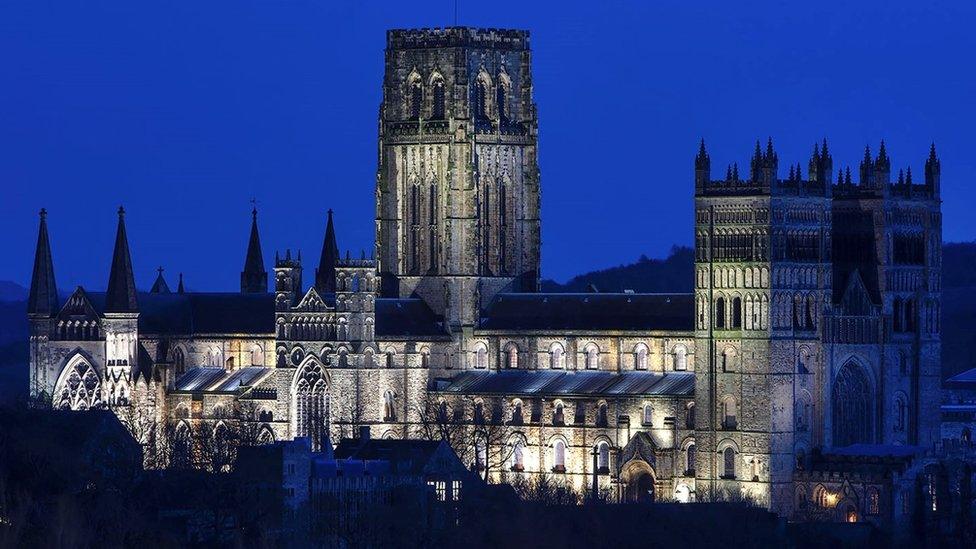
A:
[639, 482]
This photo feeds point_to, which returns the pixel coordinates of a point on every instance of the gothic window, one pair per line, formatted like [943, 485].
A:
[680, 358]
[603, 457]
[516, 462]
[690, 416]
[79, 387]
[736, 312]
[558, 414]
[479, 412]
[501, 100]
[556, 356]
[512, 356]
[442, 413]
[811, 310]
[601, 415]
[389, 359]
[415, 97]
[559, 456]
[690, 460]
[182, 447]
[852, 408]
[389, 406]
[438, 108]
[720, 313]
[728, 463]
[481, 100]
[266, 436]
[425, 358]
[179, 362]
[592, 357]
[729, 413]
[901, 413]
[311, 404]
[640, 357]
[648, 415]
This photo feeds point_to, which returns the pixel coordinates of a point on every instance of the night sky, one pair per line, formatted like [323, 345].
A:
[184, 111]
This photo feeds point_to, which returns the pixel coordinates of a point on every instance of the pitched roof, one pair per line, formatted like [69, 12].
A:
[566, 383]
[121, 293]
[201, 313]
[405, 456]
[406, 317]
[254, 278]
[589, 312]
[160, 286]
[219, 380]
[325, 273]
[43, 298]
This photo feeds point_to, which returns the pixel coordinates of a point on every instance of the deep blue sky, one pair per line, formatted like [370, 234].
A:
[182, 111]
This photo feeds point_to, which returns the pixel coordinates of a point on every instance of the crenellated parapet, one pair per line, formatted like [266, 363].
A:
[457, 37]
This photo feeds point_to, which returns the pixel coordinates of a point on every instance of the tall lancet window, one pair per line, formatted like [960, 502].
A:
[481, 100]
[416, 98]
[433, 227]
[438, 109]
[501, 97]
[502, 226]
[486, 230]
[311, 404]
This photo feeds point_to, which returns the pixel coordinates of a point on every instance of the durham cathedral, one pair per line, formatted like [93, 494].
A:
[803, 373]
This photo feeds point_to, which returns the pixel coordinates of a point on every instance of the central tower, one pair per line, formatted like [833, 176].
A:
[457, 192]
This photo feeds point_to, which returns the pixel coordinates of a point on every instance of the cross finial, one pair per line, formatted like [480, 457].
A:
[254, 206]
[160, 270]
[43, 213]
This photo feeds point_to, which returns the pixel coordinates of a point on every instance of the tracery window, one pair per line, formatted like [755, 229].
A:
[311, 404]
[80, 389]
[438, 108]
[415, 97]
[852, 407]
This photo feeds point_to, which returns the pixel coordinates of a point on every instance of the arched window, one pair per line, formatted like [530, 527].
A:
[481, 356]
[79, 387]
[389, 406]
[257, 356]
[516, 412]
[811, 313]
[368, 358]
[415, 97]
[512, 358]
[501, 101]
[438, 108]
[821, 497]
[556, 356]
[425, 358]
[728, 463]
[720, 313]
[592, 357]
[647, 418]
[736, 312]
[516, 462]
[901, 413]
[479, 412]
[729, 421]
[442, 412]
[603, 457]
[852, 407]
[640, 357]
[601, 415]
[558, 456]
[690, 416]
[311, 404]
[558, 414]
[179, 362]
[680, 358]
[389, 359]
[690, 460]
[481, 100]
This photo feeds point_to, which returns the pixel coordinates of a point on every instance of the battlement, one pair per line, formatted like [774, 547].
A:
[763, 179]
[455, 37]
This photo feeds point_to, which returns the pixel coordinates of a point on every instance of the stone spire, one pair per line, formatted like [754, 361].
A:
[254, 279]
[43, 298]
[325, 273]
[121, 294]
[179, 287]
[703, 167]
[933, 171]
[160, 286]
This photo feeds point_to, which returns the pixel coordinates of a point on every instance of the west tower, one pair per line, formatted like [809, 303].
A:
[457, 211]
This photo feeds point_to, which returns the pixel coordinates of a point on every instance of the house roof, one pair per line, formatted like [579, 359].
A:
[405, 456]
[589, 312]
[555, 382]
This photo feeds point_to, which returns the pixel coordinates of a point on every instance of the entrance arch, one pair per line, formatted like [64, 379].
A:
[639, 482]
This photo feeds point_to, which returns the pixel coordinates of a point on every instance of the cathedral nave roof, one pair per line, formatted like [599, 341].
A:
[588, 383]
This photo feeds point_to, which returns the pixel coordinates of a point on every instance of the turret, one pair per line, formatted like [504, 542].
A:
[770, 164]
[254, 279]
[867, 169]
[821, 165]
[288, 281]
[933, 170]
[703, 168]
[121, 294]
[325, 273]
[882, 167]
[43, 298]
[121, 322]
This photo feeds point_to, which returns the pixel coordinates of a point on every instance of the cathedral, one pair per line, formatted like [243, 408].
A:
[804, 368]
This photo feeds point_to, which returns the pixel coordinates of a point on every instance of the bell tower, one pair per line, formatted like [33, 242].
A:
[457, 210]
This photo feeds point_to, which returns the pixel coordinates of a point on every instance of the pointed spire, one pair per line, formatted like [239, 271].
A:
[908, 176]
[121, 294]
[703, 167]
[728, 173]
[824, 152]
[179, 288]
[901, 177]
[847, 176]
[792, 176]
[43, 298]
[325, 274]
[735, 171]
[254, 278]
[933, 171]
[160, 286]
[867, 168]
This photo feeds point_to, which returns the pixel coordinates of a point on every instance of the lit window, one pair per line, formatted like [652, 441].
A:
[456, 490]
